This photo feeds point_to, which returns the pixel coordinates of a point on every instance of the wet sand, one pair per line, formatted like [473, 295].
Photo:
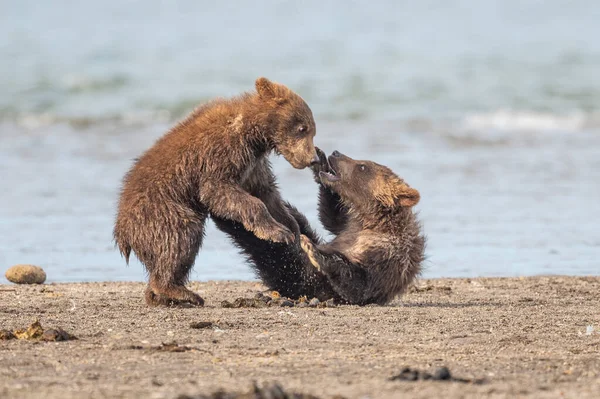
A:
[523, 336]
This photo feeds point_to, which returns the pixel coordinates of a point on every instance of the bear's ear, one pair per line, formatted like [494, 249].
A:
[265, 88]
[409, 197]
[271, 91]
[397, 193]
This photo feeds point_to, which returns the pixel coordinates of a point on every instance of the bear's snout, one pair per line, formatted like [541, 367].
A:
[315, 160]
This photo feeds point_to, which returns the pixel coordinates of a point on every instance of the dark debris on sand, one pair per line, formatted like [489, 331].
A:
[414, 289]
[6, 335]
[273, 391]
[261, 300]
[57, 334]
[440, 374]
[35, 332]
[200, 325]
[164, 347]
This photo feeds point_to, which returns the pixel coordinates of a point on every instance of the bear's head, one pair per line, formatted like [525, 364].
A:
[360, 183]
[292, 124]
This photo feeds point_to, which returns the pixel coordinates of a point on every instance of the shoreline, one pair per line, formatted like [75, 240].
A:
[529, 336]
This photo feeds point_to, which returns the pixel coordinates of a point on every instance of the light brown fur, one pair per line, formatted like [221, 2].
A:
[213, 163]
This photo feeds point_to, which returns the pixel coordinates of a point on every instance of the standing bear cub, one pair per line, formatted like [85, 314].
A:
[378, 247]
[215, 163]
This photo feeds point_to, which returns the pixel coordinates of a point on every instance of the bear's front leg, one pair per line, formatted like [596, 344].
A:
[350, 281]
[231, 202]
[279, 211]
[303, 224]
[332, 212]
[263, 185]
[323, 261]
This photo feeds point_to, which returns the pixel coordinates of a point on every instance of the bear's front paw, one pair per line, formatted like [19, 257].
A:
[306, 243]
[322, 166]
[308, 247]
[278, 233]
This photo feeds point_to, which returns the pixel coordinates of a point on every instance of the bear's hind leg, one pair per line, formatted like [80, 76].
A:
[171, 270]
[158, 295]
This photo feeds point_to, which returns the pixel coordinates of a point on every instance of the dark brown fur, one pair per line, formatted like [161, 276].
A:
[378, 248]
[213, 163]
[282, 267]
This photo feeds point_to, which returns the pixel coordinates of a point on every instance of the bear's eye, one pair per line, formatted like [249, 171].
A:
[362, 168]
[301, 129]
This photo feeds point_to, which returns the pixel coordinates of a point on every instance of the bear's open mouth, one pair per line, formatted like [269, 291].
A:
[332, 175]
[329, 176]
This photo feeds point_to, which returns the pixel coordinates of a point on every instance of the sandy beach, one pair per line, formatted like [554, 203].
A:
[490, 109]
[536, 336]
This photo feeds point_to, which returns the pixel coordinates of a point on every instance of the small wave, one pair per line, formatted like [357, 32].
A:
[82, 83]
[142, 117]
[509, 120]
[487, 125]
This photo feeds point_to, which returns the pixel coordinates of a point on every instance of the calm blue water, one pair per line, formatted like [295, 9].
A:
[490, 108]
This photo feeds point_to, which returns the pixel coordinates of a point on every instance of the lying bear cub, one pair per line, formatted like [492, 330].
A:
[378, 246]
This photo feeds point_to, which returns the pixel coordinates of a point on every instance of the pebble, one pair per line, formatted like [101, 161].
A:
[441, 374]
[265, 299]
[286, 303]
[26, 274]
[330, 303]
[56, 334]
[314, 303]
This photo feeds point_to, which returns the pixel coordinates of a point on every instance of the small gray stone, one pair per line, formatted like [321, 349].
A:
[330, 303]
[26, 274]
[57, 334]
[286, 303]
[442, 373]
[314, 303]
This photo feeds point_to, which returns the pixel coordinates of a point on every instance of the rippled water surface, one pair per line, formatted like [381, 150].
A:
[490, 109]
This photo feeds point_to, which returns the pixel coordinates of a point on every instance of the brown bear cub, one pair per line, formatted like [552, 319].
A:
[213, 163]
[378, 248]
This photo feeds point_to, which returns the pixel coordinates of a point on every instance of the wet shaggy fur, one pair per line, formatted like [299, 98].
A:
[282, 267]
[213, 163]
[378, 247]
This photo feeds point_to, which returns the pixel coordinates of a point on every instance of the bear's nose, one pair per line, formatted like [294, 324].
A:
[336, 153]
[315, 160]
